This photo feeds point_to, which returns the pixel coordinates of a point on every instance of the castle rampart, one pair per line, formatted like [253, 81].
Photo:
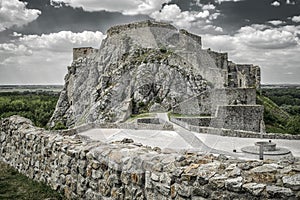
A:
[84, 169]
[120, 28]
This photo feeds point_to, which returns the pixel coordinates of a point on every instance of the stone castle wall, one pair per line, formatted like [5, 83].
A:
[207, 102]
[239, 117]
[82, 52]
[121, 28]
[235, 117]
[84, 169]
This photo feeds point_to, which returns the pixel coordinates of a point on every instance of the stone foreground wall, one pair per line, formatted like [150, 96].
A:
[83, 169]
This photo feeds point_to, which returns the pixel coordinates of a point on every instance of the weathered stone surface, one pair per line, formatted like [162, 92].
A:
[131, 172]
[267, 168]
[234, 184]
[265, 173]
[217, 181]
[200, 192]
[292, 182]
[234, 172]
[151, 66]
[254, 188]
[279, 192]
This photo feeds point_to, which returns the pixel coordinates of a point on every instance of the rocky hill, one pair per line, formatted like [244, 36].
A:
[143, 67]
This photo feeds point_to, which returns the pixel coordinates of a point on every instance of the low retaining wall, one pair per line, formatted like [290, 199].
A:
[231, 133]
[84, 169]
[138, 126]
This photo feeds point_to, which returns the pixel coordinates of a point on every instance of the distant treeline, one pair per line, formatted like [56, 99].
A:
[287, 98]
[282, 109]
[36, 106]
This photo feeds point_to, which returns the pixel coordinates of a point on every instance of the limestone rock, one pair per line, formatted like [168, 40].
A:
[292, 182]
[234, 184]
[254, 188]
[266, 168]
[142, 67]
[275, 191]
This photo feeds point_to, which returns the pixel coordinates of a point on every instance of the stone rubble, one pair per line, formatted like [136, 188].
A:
[84, 169]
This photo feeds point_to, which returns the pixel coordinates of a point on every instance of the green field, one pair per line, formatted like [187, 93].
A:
[282, 109]
[38, 107]
[14, 185]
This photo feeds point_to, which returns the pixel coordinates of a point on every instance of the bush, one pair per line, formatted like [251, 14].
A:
[293, 125]
[59, 126]
[36, 107]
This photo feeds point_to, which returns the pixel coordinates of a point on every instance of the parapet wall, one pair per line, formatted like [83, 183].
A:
[120, 28]
[84, 169]
[189, 123]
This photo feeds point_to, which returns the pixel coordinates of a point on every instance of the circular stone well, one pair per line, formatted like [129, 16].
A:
[268, 147]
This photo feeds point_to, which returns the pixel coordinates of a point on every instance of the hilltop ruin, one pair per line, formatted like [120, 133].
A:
[154, 67]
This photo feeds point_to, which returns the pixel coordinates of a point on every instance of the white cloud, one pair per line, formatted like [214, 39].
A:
[276, 22]
[168, 12]
[290, 2]
[15, 34]
[172, 13]
[197, 21]
[15, 13]
[44, 58]
[208, 7]
[13, 49]
[274, 59]
[296, 19]
[203, 14]
[266, 39]
[127, 7]
[62, 41]
[275, 3]
[221, 1]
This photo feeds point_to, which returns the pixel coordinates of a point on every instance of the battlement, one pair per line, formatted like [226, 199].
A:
[82, 52]
[196, 38]
[149, 23]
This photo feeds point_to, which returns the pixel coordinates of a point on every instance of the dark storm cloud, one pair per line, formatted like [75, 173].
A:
[72, 19]
[235, 15]
[251, 31]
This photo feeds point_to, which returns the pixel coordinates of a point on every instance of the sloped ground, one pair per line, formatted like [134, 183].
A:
[14, 185]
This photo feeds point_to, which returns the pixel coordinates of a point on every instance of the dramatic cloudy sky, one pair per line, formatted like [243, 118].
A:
[37, 36]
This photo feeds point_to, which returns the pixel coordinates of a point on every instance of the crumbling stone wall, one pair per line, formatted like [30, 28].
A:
[84, 169]
[82, 52]
[243, 76]
[239, 117]
[207, 102]
[235, 117]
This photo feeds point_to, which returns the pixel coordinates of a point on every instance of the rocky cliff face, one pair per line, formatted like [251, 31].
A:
[140, 67]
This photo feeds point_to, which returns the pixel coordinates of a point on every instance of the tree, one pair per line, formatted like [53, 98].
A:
[293, 125]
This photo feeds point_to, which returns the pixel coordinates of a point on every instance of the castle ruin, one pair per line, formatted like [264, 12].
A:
[153, 67]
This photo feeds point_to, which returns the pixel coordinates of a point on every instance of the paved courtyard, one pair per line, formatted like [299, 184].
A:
[201, 142]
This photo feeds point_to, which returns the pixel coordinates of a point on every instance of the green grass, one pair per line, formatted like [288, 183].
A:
[170, 114]
[143, 115]
[276, 119]
[14, 185]
[36, 107]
